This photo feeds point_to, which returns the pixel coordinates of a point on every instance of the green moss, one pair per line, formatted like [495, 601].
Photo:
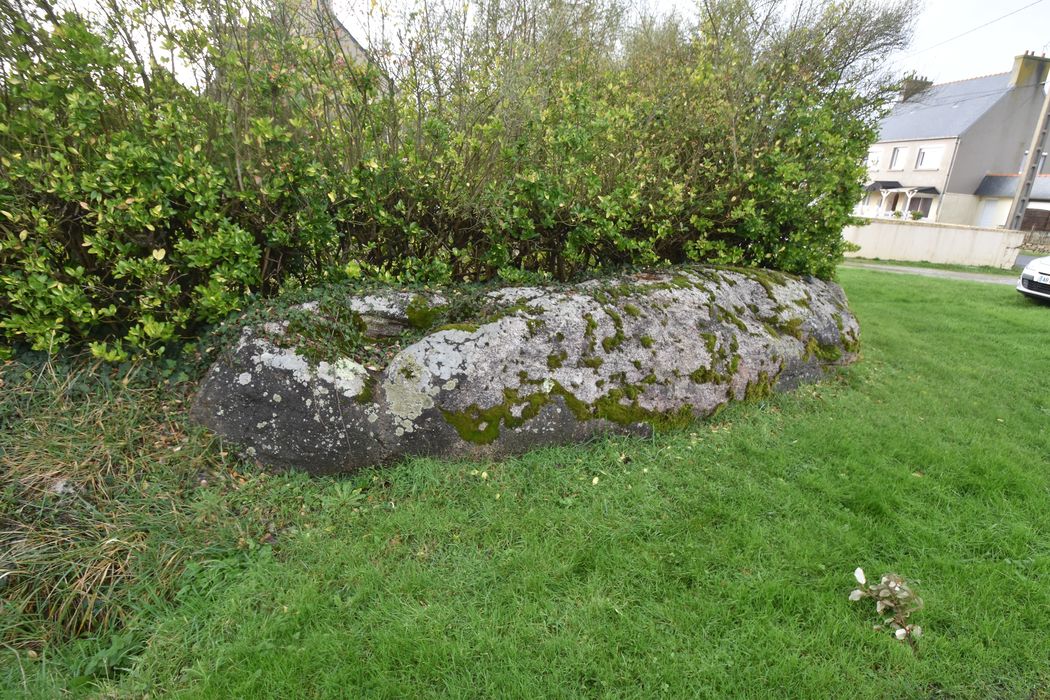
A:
[367, 392]
[850, 342]
[474, 425]
[468, 327]
[827, 353]
[592, 361]
[524, 379]
[682, 282]
[727, 315]
[482, 426]
[421, 315]
[706, 375]
[621, 406]
[589, 332]
[769, 279]
[613, 291]
[578, 408]
[556, 359]
[771, 330]
[734, 365]
[760, 388]
[710, 340]
[723, 363]
[615, 340]
[518, 308]
[632, 310]
[793, 327]
[612, 342]
[647, 341]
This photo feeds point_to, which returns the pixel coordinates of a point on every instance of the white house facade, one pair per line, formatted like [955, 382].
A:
[939, 143]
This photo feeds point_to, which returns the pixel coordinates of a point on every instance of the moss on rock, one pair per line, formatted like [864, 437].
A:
[421, 313]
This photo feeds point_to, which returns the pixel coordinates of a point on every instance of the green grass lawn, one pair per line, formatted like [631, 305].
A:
[713, 561]
[978, 269]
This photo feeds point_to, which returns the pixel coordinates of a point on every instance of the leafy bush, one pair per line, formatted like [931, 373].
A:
[166, 160]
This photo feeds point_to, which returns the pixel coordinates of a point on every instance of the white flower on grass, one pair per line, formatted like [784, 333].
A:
[893, 597]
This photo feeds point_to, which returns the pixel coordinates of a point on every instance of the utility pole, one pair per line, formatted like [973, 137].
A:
[1031, 166]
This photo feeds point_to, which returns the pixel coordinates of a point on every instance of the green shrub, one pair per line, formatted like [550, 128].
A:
[150, 186]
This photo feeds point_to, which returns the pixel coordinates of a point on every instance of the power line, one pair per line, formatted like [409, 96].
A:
[971, 31]
[959, 97]
[942, 101]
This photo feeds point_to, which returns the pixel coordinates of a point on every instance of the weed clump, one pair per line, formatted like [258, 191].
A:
[894, 596]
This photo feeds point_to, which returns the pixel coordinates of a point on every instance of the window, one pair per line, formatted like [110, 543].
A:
[897, 159]
[921, 205]
[929, 158]
[874, 158]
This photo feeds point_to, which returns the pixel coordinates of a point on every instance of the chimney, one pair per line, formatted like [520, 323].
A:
[1029, 70]
[914, 85]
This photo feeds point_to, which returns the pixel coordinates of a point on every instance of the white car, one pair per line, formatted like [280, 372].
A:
[1035, 279]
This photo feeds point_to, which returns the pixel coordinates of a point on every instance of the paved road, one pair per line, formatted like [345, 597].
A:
[931, 272]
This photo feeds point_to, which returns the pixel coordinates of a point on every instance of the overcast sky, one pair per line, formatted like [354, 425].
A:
[935, 52]
[987, 50]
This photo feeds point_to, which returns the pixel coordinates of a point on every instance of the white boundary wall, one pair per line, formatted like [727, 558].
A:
[923, 241]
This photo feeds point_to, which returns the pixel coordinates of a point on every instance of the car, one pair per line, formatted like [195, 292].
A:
[1035, 279]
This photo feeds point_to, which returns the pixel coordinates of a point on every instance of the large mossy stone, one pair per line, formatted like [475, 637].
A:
[541, 367]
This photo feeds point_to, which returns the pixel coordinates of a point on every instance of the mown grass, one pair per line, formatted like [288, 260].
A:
[712, 561]
[977, 269]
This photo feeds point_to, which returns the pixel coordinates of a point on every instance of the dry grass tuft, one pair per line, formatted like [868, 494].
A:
[92, 460]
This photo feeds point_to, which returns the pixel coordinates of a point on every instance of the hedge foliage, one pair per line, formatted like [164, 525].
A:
[164, 161]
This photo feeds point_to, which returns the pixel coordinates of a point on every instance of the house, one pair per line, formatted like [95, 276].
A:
[940, 144]
[995, 196]
[315, 18]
